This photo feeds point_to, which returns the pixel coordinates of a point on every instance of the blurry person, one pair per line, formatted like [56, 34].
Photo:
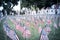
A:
[55, 25]
[40, 29]
[44, 33]
[26, 33]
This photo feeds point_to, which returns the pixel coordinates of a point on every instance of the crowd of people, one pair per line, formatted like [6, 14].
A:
[48, 10]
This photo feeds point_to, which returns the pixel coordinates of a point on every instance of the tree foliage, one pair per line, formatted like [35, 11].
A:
[14, 2]
[8, 5]
[39, 3]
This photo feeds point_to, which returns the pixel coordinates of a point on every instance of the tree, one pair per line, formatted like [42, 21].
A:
[8, 5]
[39, 3]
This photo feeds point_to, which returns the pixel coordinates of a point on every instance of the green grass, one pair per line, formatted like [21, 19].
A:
[11, 24]
[19, 34]
[34, 32]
